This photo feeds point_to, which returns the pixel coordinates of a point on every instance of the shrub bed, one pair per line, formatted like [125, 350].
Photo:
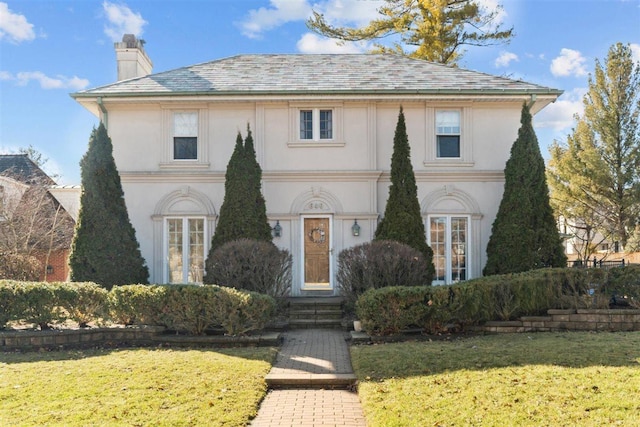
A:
[506, 297]
[379, 264]
[192, 309]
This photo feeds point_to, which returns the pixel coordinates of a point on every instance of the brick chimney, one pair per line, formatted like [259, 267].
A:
[131, 58]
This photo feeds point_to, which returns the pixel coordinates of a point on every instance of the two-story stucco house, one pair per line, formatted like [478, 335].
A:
[323, 127]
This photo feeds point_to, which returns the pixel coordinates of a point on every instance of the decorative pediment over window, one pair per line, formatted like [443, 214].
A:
[185, 201]
[449, 199]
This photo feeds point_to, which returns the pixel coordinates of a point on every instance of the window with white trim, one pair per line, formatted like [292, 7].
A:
[185, 135]
[448, 134]
[448, 237]
[185, 249]
[316, 124]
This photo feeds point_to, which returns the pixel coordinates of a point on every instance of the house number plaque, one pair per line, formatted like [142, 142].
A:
[315, 206]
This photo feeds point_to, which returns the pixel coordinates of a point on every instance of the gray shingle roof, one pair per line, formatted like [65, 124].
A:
[316, 74]
[23, 169]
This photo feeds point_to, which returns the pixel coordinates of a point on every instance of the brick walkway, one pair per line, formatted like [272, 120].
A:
[309, 378]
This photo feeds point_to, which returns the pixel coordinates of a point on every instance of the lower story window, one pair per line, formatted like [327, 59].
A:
[448, 237]
[185, 250]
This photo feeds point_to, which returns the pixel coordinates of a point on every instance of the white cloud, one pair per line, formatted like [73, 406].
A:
[505, 59]
[46, 82]
[349, 12]
[312, 43]
[279, 13]
[635, 51]
[121, 21]
[560, 115]
[569, 63]
[14, 27]
[336, 12]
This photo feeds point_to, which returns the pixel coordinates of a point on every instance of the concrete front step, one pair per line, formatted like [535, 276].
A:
[324, 314]
[305, 380]
[315, 323]
[305, 313]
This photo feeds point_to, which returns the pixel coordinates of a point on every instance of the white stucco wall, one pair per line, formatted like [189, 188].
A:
[348, 176]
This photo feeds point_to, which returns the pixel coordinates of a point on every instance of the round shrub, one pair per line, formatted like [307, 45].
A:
[251, 265]
[380, 264]
[84, 302]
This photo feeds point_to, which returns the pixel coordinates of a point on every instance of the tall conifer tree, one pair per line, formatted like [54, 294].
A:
[402, 220]
[243, 212]
[261, 230]
[524, 235]
[104, 248]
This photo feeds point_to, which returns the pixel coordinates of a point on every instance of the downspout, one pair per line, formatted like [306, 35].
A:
[531, 102]
[105, 113]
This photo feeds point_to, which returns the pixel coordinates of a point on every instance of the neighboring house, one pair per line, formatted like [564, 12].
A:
[586, 246]
[323, 127]
[32, 220]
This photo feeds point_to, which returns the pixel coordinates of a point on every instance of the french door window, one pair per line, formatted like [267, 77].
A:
[448, 237]
[185, 250]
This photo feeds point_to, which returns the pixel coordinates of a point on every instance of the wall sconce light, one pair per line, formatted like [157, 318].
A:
[49, 269]
[277, 229]
[355, 228]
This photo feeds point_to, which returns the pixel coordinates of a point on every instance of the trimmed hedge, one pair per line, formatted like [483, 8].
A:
[184, 308]
[49, 303]
[390, 310]
[193, 309]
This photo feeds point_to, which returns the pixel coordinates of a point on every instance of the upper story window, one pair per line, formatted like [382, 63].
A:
[448, 134]
[316, 124]
[185, 136]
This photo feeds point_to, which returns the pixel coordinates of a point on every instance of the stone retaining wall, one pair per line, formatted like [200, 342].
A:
[569, 320]
[59, 339]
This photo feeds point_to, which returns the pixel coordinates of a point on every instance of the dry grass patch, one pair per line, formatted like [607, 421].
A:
[133, 387]
[559, 379]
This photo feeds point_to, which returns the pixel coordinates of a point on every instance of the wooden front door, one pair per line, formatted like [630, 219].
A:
[317, 252]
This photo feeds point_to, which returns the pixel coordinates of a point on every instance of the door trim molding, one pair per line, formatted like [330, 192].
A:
[319, 286]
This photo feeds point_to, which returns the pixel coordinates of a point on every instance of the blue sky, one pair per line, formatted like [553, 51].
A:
[49, 49]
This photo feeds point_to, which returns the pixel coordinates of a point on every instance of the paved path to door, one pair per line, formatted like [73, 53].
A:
[311, 371]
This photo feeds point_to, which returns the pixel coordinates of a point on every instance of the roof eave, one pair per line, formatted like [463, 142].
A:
[474, 92]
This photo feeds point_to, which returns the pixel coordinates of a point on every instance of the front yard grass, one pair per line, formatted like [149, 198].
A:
[550, 379]
[133, 387]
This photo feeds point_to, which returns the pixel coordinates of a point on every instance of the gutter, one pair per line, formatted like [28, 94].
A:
[105, 113]
[214, 93]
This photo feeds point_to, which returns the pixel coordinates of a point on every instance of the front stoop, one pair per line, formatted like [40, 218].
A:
[310, 312]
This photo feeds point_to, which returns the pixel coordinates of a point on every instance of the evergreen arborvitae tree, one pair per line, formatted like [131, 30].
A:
[261, 230]
[243, 212]
[104, 248]
[402, 220]
[524, 235]
[232, 221]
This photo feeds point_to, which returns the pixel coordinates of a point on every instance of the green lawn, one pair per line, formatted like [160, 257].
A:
[133, 387]
[542, 379]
